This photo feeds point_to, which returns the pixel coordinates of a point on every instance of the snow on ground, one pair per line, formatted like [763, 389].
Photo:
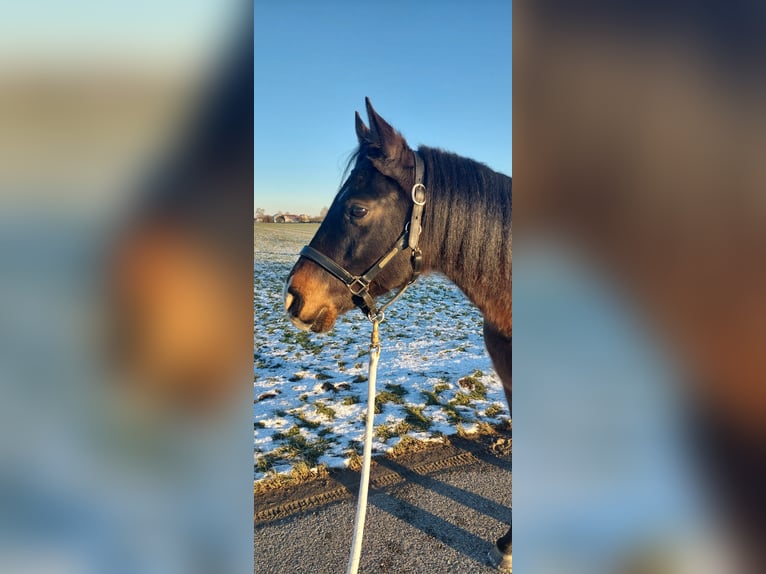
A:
[310, 389]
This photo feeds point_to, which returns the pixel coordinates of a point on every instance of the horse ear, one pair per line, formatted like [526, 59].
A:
[362, 131]
[390, 141]
[394, 158]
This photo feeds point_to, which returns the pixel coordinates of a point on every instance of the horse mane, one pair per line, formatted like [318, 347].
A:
[467, 221]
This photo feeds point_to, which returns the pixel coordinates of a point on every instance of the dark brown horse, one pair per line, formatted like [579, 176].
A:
[465, 234]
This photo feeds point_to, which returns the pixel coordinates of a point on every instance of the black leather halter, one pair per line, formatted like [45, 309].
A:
[359, 285]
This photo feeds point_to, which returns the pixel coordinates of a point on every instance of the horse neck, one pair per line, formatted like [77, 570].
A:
[467, 234]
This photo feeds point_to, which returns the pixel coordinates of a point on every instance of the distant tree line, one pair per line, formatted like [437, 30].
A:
[283, 217]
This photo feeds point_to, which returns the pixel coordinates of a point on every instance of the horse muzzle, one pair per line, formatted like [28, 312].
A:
[304, 316]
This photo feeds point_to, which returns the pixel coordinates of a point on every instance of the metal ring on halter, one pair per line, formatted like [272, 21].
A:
[418, 187]
[379, 316]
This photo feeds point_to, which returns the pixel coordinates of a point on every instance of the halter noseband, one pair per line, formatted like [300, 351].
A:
[359, 285]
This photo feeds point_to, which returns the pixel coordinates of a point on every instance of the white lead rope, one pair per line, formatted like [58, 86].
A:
[364, 483]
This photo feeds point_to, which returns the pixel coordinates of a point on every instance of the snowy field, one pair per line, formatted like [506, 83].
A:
[434, 378]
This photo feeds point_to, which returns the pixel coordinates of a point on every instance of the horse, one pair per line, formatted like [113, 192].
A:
[439, 213]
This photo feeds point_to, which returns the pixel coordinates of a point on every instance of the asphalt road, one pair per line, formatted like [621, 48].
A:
[443, 521]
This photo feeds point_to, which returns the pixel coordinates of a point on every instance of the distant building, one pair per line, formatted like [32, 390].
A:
[287, 218]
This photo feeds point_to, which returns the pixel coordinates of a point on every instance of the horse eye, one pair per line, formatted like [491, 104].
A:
[358, 211]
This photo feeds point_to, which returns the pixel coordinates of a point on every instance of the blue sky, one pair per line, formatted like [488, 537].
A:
[440, 72]
[140, 30]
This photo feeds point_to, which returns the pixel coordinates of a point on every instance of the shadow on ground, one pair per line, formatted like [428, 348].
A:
[434, 510]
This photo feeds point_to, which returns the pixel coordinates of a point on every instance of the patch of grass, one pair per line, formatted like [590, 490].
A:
[398, 390]
[385, 432]
[415, 418]
[296, 377]
[408, 445]
[493, 410]
[299, 447]
[359, 379]
[304, 422]
[303, 339]
[484, 428]
[303, 398]
[454, 416]
[354, 460]
[476, 389]
[323, 376]
[280, 413]
[351, 400]
[282, 435]
[384, 397]
[402, 428]
[479, 391]
[265, 462]
[461, 399]
[441, 387]
[300, 473]
[431, 398]
[356, 446]
[259, 425]
[323, 409]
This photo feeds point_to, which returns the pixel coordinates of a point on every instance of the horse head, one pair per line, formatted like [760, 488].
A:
[363, 223]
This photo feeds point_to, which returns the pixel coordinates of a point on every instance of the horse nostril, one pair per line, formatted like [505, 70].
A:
[293, 303]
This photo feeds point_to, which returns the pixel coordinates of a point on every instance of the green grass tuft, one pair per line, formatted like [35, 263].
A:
[461, 399]
[431, 398]
[304, 422]
[384, 397]
[416, 419]
[493, 410]
[398, 390]
[322, 409]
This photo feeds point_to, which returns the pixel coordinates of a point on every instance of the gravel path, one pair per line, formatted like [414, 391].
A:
[439, 522]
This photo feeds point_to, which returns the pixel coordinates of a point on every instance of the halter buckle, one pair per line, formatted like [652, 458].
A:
[362, 286]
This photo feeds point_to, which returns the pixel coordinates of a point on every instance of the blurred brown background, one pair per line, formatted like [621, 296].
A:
[639, 133]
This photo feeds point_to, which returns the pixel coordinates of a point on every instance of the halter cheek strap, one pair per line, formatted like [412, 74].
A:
[359, 285]
[415, 225]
